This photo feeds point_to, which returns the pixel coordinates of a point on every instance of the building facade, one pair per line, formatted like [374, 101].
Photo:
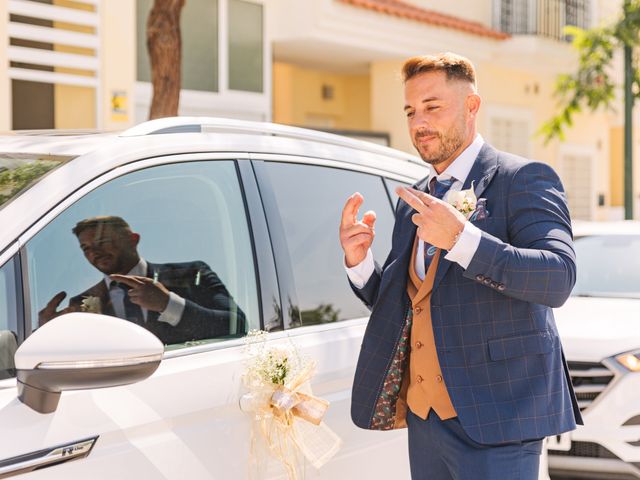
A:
[327, 64]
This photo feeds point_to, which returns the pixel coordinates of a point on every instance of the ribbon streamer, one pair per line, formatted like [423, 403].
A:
[289, 419]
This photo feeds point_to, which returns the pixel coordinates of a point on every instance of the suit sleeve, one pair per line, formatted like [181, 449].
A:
[369, 292]
[537, 264]
[210, 310]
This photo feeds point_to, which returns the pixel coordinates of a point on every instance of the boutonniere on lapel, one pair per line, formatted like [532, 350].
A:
[91, 305]
[466, 202]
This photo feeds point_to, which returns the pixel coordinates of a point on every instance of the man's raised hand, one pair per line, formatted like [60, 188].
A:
[145, 292]
[356, 236]
[438, 222]
[50, 311]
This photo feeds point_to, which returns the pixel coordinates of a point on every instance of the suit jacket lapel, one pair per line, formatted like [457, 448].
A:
[483, 170]
[407, 231]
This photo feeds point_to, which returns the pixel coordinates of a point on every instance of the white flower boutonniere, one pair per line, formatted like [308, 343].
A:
[91, 305]
[464, 201]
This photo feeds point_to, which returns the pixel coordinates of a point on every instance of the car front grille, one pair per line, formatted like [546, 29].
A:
[584, 449]
[589, 380]
[591, 450]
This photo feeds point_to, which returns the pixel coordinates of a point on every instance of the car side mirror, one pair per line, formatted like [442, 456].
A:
[79, 351]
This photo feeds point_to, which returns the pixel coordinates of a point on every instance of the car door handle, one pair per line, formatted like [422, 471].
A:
[46, 457]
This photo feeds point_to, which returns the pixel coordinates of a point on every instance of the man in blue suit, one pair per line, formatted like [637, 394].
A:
[462, 345]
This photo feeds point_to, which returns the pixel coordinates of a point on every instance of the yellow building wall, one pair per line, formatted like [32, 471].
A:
[387, 103]
[74, 106]
[298, 98]
[118, 58]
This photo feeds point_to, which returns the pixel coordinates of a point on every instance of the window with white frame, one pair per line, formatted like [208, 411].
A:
[509, 129]
[226, 68]
[576, 173]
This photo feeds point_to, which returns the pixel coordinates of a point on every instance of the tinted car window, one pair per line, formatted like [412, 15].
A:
[179, 230]
[391, 187]
[8, 319]
[310, 201]
[608, 266]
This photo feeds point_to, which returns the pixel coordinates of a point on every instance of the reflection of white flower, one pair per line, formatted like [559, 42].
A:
[91, 305]
[462, 200]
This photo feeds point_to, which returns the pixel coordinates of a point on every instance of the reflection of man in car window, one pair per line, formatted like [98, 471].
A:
[178, 302]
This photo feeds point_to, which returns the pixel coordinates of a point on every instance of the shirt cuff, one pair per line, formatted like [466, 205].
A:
[360, 274]
[173, 313]
[466, 246]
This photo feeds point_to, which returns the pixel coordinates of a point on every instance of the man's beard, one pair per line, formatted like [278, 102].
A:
[450, 141]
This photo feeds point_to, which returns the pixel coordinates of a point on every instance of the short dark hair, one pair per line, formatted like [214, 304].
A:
[455, 66]
[102, 221]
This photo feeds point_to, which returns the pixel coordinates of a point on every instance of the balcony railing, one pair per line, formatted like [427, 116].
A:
[545, 18]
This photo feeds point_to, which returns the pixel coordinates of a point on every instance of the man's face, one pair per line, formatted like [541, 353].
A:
[110, 250]
[438, 116]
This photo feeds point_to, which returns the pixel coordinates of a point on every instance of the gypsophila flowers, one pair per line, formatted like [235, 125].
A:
[273, 365]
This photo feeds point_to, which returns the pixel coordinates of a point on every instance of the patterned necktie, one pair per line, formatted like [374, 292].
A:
[132, 312]
[437, 188]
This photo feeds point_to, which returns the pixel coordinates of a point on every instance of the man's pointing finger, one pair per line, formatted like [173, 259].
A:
[350, 210]
[411, 198]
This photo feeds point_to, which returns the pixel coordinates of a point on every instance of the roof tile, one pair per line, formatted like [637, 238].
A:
[402, 9]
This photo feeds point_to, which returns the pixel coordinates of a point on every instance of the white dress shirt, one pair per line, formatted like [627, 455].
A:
[171, 314]
[467, 244]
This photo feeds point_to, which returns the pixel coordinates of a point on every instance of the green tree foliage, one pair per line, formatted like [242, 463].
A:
[591, 86]
[14, 180]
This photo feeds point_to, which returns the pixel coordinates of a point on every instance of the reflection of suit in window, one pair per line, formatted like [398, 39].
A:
[209, 309]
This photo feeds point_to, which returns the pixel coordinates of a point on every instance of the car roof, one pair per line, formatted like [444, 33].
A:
[582, 228]
[80, 142]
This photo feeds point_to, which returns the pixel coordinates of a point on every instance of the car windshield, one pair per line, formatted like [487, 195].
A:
[608, 266]
[18, 172]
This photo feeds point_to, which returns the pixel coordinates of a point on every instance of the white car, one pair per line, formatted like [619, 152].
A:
[600, 332]
[254, 208]
[251, 208]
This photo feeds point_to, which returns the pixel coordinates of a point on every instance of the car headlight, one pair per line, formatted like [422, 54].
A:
[630, 360]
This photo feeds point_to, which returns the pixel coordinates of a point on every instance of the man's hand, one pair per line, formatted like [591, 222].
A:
[356, 236]
[51, 310]
[145, 292]
[438, 222]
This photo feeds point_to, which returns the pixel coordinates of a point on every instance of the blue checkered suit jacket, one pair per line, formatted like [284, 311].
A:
[495, 333]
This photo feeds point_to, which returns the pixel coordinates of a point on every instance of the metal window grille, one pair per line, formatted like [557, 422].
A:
[545, 18]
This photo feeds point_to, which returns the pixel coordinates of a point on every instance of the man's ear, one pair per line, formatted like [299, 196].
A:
[472, 104]
[135, 238]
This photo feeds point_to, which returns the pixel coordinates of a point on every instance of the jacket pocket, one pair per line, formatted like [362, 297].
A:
[519, 345]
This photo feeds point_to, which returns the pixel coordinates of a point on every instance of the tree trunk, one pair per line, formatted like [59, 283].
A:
[164, 45]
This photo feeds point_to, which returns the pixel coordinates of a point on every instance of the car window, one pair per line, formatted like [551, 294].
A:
[608, 266]
[391, 187]
[309, 201]
[8, 319]
[179, 234]
[19, 171]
